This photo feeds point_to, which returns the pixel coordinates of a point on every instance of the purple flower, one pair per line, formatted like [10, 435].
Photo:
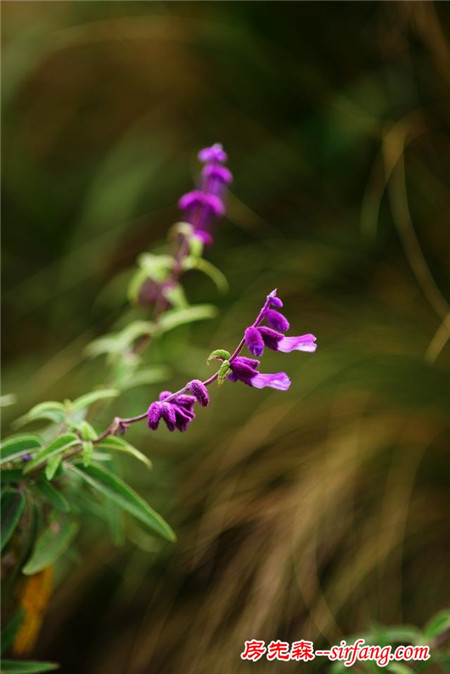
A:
[278, 342]
[199, 391]
[274, 300]
[214, 154]
[245, 370]
[177, 413]
[254, 341]
[201, 206]
[276, 320]
[279, 381]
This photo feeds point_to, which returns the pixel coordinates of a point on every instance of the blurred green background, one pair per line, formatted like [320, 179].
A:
[309, 514]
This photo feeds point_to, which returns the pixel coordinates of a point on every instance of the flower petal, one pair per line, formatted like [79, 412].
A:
[300, 343]
[279, 381]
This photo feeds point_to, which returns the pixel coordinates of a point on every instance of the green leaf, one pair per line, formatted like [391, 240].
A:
[88, 449]
[438, 624]
[134, 331]
[12, 507]
[175, 317]
[156, 267]
[86, 431]
[108, 344]
[151, 375]
[52, 495]
[89, 398]
[9, 475]
[113, 488]
[7, 399]
[52, 466]
[51, 410]
[27, 667]
[15, 448]
[55, 448]
[219, 354]
[175, 295]
[114, 443]
[210, 270]
[11, 628]
[51, 543]
[224, 370]
[399, 668]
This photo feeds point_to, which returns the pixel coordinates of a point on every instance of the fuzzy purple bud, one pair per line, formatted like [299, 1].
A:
[168, 414]
[213, 154]
[276, 320]
[254, 341]
[199, 391]
[154, 415]
[274, 300]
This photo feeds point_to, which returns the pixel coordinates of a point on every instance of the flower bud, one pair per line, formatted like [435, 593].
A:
[276, 320]
[199, 390]
[254, 341]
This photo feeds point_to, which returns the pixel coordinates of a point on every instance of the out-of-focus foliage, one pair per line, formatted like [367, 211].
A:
[311, 515]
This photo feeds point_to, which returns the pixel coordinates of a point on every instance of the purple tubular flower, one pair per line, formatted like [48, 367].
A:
[254, 341]
[201, 206]
[215, 178]
[274, 300]
[154, 415]
[278, 342]
[168, 414]
[181, 413]
[199, 391]
[213, 154]
[276, 320]
[245, 370]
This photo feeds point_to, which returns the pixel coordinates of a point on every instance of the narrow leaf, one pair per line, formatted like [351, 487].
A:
[113, 488]
[50, 409]
[27, 667]
[216, 276]
[88, 449]
[12, 507]
[52, 495]
[52, 466]
[11, 628]
[219, 354]
[224, 370]
[89, 398]
[113, 443]
[51, 544]
[55, 448]
[15, 448]
[175, 317]
[9, 475]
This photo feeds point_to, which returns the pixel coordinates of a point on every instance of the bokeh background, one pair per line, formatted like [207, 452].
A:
[315, 513]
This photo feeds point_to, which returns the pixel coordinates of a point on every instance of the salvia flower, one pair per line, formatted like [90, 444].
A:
[177, 413]
[254, 341]
[201, 206]
[278, 342]
[258, 336]
[199, 391]
[245, 370]
[276, 320]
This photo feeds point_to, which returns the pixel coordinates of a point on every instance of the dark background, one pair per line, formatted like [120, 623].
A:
[311, 514]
